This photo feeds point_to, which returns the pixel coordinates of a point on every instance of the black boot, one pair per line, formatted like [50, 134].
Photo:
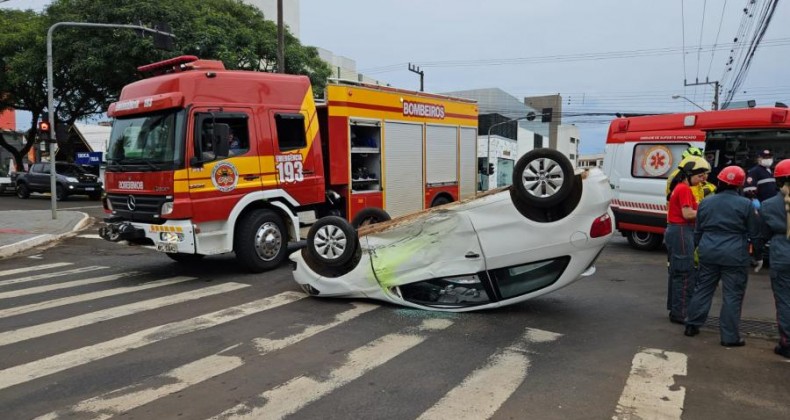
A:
[691, 330]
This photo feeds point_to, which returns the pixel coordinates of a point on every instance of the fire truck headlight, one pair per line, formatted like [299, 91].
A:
[167, 208]
[171, 237]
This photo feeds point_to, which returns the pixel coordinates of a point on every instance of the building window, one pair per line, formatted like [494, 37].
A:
[538, 141]
[571, 156]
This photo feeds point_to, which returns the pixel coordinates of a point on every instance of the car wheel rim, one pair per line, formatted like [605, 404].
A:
[330, 242]
[642, 238]
[543, 177]
[268, 241]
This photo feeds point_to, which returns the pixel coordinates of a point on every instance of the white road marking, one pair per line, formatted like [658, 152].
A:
[36, 257]
[66, 285]
[124, 399]
[291, 396]
[650, 391]
[60, 362]
[79, 208]
[40, 330]
[481, 394]
[121, 400]
[86, 236]
[51, 275]
[91, 296]
[32, 268]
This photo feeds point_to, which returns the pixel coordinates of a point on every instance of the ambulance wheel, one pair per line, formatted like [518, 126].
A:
[543, 178]
[369, 216]
[644, 241]
[260, 240]
[185, 258]
[332, 241]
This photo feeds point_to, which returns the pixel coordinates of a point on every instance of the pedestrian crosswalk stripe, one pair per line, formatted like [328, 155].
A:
[650, 391]
[481, 394]
[293, 395]
[44, 367]
[66, 285]
[90, 236]
[133, 396]
[51, 275]
[54, 303]
[121, 400]
[40, 330]
[13, 271]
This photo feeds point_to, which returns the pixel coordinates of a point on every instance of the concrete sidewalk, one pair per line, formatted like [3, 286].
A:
[21, 230]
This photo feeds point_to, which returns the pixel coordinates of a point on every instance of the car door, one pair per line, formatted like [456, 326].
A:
[39, 177]
[217, 183]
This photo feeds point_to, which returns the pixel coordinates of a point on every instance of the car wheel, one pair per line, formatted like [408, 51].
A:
[260, 240]
[644, 241]
[543, 178]
[185, 258]
[369, 216]
[332, 241]
[60, 193]
[440, 201]
[22, 191]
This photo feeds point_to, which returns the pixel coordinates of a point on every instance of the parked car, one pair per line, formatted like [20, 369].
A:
[500, 248]
[70, 179]
[6, 184]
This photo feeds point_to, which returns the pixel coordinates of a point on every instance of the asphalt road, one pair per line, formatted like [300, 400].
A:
[116, 330]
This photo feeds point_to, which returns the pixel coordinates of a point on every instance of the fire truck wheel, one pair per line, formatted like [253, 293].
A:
[332, 241]
[260, 240]
[440, 201]
[369, 216]
[644, 241]
[543, 178]
[185, 258]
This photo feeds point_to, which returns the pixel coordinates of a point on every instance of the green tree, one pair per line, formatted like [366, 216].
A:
[92, 65]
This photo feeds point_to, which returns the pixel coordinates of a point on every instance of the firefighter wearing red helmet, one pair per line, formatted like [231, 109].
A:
[724, 222]
[774, 220]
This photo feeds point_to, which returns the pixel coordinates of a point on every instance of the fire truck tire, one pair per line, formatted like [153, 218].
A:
[369, 216]
[185, 258]
[543, 178]
[332, 241]
[440, 201]
[260, 241]
[644, 241]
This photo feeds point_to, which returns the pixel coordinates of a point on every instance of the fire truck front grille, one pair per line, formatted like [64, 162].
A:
[137, 208]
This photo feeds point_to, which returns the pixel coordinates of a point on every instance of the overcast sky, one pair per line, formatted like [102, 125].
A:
[601, 56]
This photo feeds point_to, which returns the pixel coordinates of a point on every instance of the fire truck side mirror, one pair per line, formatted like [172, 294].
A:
[219, 139]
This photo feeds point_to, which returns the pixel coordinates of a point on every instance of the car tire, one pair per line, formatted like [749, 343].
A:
[60, 193]
[185, 258]
[332, 241]
[369, 216]
[260, 240]
[543, 178]
[644, 241]
[22, 191]
[440, 201]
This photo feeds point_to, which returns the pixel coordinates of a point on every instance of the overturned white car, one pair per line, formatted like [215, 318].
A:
[500, 248]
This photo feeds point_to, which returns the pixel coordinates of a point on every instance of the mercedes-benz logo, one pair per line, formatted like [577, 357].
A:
[130, 203]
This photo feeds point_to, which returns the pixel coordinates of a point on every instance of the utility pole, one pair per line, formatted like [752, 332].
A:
[416, 69]
[715, 83]
[280, 38]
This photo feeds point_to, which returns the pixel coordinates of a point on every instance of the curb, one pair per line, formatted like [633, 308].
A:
[21, 246]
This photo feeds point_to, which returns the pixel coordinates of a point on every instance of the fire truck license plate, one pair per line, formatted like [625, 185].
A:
[167, 247]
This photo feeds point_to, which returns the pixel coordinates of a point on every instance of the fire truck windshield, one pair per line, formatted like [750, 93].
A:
[153, 142]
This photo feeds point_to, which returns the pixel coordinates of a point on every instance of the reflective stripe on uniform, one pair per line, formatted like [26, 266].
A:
[763, 181]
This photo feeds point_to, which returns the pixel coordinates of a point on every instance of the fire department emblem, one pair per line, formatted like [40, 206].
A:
[657, 161]
[225, 176]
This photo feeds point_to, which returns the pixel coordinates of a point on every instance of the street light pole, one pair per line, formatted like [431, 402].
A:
[50, 93]
[692, 102]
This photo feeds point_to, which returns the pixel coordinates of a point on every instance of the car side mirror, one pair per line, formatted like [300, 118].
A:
[219, 138]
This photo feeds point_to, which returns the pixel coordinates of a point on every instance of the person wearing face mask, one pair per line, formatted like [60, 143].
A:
[760, 182]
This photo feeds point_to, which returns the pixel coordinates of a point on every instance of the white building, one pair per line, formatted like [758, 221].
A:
[290, 12]
[568, 142]
[590, 161]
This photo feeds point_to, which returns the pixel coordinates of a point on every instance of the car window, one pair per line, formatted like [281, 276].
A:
[447, 292]
[66, 169]
[522, 279]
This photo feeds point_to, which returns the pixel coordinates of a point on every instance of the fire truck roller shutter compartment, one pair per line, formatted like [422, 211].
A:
[403, 189]
[441, 153]
[468, 170]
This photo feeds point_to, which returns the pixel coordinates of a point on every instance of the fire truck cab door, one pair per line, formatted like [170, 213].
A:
[216, 182]
[297, 156]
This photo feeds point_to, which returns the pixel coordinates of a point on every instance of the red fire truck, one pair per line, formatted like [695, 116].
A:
[641, 152]
[204, 161]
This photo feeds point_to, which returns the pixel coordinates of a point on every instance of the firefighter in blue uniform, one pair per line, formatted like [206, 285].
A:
[760, 182]
[724, 221]
[774, 226]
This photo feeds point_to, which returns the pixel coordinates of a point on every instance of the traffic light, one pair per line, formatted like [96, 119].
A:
[44, 131]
